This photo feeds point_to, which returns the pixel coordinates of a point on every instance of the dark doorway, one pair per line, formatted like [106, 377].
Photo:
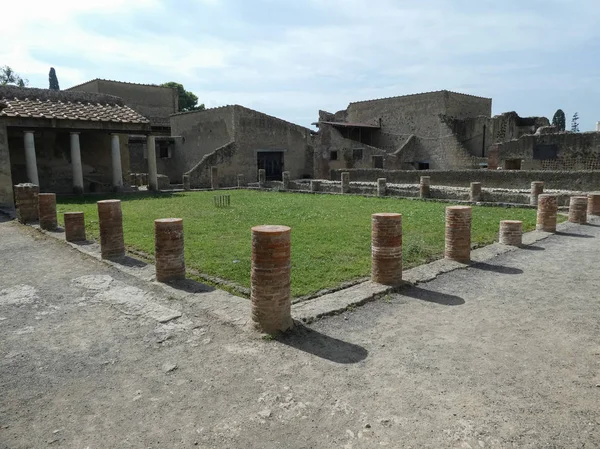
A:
[377, 161]
[422, 165]
[272, 163]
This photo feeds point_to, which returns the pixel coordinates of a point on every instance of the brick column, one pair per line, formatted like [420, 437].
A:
[26, 202]
[186, 182]
[262, 177]
[240, 180]
[345, 188]
[168, 249]
[270, 278]
[594, 204]
[285, 178]
[578, 209]
[47, 211]
[511, 232]
[475, 193]
[381, 186]
[458, 233]
[425, 186]
[214, 178]
[315, 185]
[386, 248]
[74, 226]
[546, 213]
[110, 219]
[537, 188]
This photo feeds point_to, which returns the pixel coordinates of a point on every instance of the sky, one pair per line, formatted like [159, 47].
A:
[291, 58]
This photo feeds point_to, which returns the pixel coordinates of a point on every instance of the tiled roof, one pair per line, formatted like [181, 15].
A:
[46, 104]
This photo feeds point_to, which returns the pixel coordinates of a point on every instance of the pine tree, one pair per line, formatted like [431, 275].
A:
[559, 120]
[575, 123]
[53, 79]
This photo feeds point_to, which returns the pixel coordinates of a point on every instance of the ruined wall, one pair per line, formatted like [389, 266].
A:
[6, 183]
[169, 163]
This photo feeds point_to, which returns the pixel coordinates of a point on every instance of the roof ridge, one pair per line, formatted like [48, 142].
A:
[120, 82]
[421, 93]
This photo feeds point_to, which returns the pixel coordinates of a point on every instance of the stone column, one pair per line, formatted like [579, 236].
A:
[26, 202]
[115, 147]
[425, 186]
[381, 186]
[270, 278]
[285, 178]
[132, 179]
[315, 185]
[578, 209]
[152, 173]
[386, 248]
[47, 211]
[458, 233]
[30, 159]
[546, 213]
[262, 177]
[240, 181]
[214, 178]
[594, 204]
[168, 249]
[74, 226]
[537, 188]
[345, 187]
[76, 163]
[110, 219]
[475, 193]
[511, 232]
[186, 182]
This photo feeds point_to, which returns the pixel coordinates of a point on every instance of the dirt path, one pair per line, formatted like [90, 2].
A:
[504, 354]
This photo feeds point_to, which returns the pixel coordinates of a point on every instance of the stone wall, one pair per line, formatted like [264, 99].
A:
[170, 159]
[6, 184]
[507, 179]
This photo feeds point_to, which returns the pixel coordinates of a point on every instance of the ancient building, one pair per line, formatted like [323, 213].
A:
[64, 141]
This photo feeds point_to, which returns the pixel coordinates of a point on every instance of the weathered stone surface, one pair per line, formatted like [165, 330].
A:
[26, 202]
[168, 244]
[262, 177]
[546, 213]
[511, 232]
[214, 177]
[240, 180]
[271, 278]
[110, 217]
[425, 186]
[537, 188]
[74, 226]
[594, 204]
[386, 248]
[475, 192]
[345, 187]
[578, 209]
[186, 182]
[381, 187]
[315, 185]
[47, 211]
[458, 233]
[285, 178]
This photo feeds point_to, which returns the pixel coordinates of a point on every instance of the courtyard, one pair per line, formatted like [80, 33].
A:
[331, 234]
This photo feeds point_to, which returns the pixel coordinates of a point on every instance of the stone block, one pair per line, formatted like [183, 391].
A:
[537, 188]
[475, 194]
[262, 178]
[381, 186]
[315, 185]
[285, 178]
[345, 178]
[74, 226]
[214, 178]
[511, 232]
[425, 186]
[578, 209]
[47, 211]
[594, 204]
[26, 202]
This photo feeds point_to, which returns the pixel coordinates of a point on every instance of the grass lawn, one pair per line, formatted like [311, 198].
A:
[331, 234]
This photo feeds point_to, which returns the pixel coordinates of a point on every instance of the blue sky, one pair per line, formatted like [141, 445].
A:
[292, 58]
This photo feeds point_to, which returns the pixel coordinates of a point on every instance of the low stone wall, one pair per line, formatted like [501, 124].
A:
[507, 179]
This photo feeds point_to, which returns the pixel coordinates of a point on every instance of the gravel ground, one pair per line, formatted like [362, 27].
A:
[505, 354]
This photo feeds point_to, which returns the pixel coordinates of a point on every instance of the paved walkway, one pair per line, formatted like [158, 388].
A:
[503, 354]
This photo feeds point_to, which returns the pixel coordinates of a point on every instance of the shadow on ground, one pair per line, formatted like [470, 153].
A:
[313, 342]
[572, 234]
[431, 296]
[496, 268]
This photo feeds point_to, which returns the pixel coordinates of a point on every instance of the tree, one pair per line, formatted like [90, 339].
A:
[575, 123]
[559, 120]
[9, 76]
[187, 100]
[53, 79]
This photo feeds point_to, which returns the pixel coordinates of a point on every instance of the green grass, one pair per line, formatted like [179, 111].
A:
[330, 233]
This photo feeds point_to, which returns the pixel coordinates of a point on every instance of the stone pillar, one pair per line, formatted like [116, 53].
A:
[262, 177]
[386, 248]
[115, 147]
[132, 178]
[458, 233]
[285, 178]
[144, 181]
[345, 188]
[475, 193]
[26, 202]
[425, 186]
[139, 179]
[270, 278]
[546, 213]
[537, 188]
[240, 181]
[152, 173]
[74, 226]
[47, 211]
[315, 185]
[76, 163]
[511, 232]
[214, 178]
[186, 182]
[594, 204]
[30, 159]
[578, 209]
[110, 219]
[168, 249]
[381, 186]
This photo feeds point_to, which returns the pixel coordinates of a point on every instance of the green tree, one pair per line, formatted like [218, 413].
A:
[53, 79]
[9, 76]
[559, 120]
[187, 100]
[575, 123]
